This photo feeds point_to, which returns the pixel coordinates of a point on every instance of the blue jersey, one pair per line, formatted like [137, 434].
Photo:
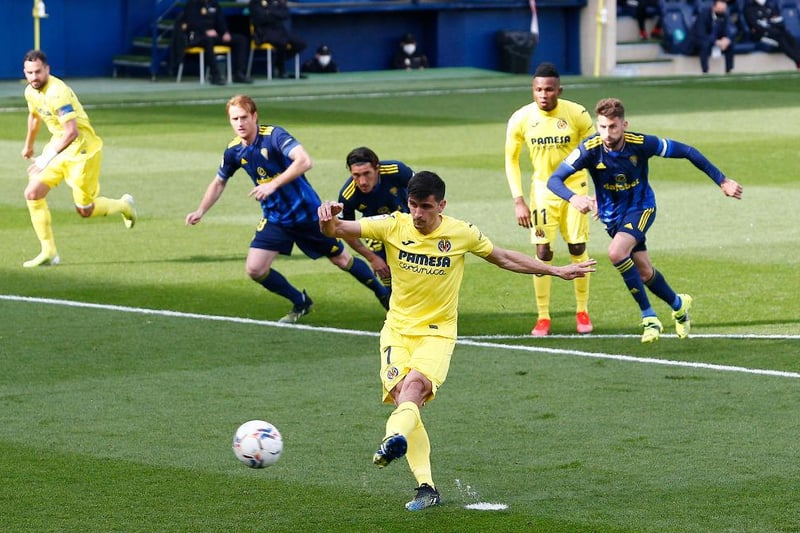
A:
[621, 180]
[293, 203]
[390, 194]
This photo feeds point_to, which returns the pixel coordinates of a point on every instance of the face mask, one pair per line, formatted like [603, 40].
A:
[324, 60]
[409, 48]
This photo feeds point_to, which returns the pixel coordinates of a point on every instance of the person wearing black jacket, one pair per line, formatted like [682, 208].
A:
[712, 29]
[767, 26]
[270, 20]
[204, 24]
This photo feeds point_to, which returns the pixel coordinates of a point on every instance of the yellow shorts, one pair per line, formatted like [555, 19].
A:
[550, 213]
[428, 355]
[81, 172]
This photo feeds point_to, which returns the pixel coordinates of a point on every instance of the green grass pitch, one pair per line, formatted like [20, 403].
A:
[126, 370]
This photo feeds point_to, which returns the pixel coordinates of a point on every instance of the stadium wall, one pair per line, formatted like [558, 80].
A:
[82, 36]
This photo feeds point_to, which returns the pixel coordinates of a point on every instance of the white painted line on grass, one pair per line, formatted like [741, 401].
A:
[630, 336]
[632, 359]
[462, 340]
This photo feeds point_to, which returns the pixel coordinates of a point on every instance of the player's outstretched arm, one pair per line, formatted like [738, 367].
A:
[213, 192]
[331, 225]
[524, 264]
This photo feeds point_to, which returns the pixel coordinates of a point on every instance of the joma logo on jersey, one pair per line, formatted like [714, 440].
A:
[550, 139]
[426, 260]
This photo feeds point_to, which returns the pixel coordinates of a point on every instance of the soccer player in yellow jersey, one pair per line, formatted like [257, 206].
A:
[426, 252]
[551, 128]
[73, 155]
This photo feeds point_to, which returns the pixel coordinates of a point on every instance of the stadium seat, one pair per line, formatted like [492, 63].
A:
[219, 50]
[268, 48]
[677, 19]
[791, 18]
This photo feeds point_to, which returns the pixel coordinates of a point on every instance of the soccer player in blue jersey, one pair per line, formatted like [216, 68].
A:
[426, 251]
[617, 160]
[374, 187]
[277, 163]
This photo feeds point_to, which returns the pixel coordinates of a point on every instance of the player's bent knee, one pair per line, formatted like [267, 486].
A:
[343, 260]
[257, 273]
[544, 253]
[577, 249]
[85, 212]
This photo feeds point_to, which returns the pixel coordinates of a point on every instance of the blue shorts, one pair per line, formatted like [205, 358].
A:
[307, 237]
[635, 223]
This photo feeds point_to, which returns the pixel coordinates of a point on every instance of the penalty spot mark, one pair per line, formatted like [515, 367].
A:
[484, 506]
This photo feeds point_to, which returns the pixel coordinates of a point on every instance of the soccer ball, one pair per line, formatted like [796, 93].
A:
[257, 444]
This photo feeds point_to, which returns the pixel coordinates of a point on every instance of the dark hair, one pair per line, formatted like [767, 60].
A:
[546, 70]
[426, 183]
[610, 108]
[35, 55]
[361, 155]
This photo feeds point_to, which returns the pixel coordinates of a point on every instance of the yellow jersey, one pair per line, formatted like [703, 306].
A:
[550, 137]
[427, 270]
[55, 103]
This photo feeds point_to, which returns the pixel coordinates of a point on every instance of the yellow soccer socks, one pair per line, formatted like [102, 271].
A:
[406, 420]
[541, 286]
[581, 286]
[42, 226]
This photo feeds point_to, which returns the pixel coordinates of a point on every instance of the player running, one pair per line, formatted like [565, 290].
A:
[72, 155]
[276, 163]
[618, 163]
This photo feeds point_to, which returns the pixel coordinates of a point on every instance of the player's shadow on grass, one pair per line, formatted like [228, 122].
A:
[206, 259]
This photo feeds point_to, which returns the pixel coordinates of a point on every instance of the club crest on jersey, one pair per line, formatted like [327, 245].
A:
[634, 160]
[392, 372]
[561, 124]
[264, 153]
[445, 245]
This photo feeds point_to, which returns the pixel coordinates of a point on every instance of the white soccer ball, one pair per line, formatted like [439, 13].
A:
[257, 444]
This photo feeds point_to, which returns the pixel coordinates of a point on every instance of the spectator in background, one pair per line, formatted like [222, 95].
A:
[641, 18]
[321, 62]
[712, 33]
[766, 25]
[408, 57]
[270, 20]
[204, 24]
